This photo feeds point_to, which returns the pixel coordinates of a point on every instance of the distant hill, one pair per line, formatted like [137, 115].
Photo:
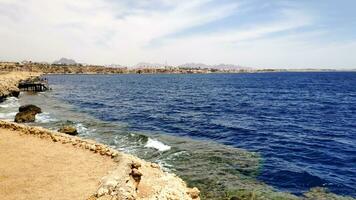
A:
[194, 65]
[219, 66]
[65, 61]
[230, 67]
[149, 65]
[144, 65]
[115, 66]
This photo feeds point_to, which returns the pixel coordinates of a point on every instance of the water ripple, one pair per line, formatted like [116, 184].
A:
[303, 124]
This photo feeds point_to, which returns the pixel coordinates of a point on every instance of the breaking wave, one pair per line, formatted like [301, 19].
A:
[45, 118]
[155, 144]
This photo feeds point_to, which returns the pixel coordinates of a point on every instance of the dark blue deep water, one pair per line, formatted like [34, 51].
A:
[302, 124]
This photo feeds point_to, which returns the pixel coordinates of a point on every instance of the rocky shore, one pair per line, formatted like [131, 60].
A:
[131, 178]
[9, 82]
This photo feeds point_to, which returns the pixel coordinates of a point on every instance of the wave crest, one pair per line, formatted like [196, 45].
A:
[155, 144]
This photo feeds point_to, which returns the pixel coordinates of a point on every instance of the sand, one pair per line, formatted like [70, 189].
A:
[33, 168]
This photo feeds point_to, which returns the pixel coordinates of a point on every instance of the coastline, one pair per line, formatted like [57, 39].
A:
[255, 190]
[10, 80]
[131, 178]
[118, 183]
[101, 69]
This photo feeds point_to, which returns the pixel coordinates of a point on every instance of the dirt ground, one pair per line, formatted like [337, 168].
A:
[33, 168]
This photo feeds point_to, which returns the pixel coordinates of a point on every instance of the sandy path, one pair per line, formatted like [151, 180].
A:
[34, 168]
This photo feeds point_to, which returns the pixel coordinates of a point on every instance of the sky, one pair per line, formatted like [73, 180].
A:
[251, 33]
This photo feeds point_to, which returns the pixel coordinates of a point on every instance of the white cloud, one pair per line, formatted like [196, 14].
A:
[107, 31]
[92, 30]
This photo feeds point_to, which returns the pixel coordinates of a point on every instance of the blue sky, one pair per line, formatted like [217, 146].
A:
[253, 33]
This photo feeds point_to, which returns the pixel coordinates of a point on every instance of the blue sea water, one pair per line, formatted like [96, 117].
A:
[302, 124]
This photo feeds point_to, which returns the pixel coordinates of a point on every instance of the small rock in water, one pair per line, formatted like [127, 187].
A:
[27, 113]
[68, 130]
[14, 93]
[24, 117]
[30, 108]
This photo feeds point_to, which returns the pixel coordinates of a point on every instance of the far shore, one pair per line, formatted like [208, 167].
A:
[47, 68]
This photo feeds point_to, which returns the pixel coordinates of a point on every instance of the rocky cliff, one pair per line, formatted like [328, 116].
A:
[9, 82]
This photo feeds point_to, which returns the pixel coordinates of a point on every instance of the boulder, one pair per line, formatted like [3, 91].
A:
[70, 130]
[27, 113]
[30, 108]
[14, 93]
[24, 117]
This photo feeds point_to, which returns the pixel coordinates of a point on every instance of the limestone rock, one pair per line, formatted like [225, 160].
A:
[136, 174]
[194, 192]
[15, 93]
[135, 165]
[24, 117]
[27, 113]
[30, 108]
[70, 130]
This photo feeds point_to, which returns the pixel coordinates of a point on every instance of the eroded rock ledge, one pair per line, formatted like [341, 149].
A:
[9, 82]
[133, 178]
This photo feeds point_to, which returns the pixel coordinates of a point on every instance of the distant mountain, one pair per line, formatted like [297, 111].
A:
[194, 65]
[65, 61]
[219, 66]
[115, 66]
[229, 67]
[149, 65]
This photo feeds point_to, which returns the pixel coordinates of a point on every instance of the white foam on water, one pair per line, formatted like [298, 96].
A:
[155, 144]
[164, 165]
[84, 130]
[8, 108]
[10, 102]
[81, 128]
[8, 116]
[45, 118]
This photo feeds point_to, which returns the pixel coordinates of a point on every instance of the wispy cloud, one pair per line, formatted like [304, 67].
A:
[127, 32]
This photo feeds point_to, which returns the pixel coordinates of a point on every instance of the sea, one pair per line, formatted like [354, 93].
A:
[291, 130]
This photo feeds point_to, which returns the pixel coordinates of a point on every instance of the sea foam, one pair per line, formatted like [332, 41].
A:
[8, 116]
[11, 102]
[151, 143]
[45, 118]
[84, 130]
